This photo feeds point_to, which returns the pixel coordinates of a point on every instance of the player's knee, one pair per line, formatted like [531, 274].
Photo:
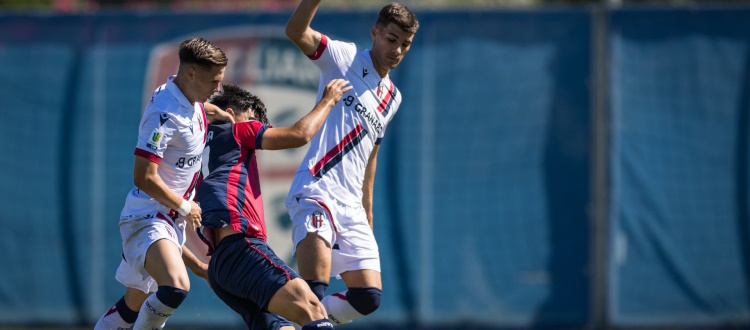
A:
[180, 281]
[365, 300]
[171, 296]
[317, 310]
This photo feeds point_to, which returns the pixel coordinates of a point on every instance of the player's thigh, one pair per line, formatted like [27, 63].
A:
[255, 318]
[164, 263]
[314, 258]
[296, 302]
[362, 278]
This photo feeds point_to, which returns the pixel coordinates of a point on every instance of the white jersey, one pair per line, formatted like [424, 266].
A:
[336, 160]
[172, 134]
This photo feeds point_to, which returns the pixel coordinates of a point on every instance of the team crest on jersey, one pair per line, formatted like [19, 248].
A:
[317, 219]
[153, 141]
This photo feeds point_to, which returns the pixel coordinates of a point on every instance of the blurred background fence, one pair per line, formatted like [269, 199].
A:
[558, 167]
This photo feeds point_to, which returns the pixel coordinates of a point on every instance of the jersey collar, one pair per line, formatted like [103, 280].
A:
[366, 54]
[172, 87]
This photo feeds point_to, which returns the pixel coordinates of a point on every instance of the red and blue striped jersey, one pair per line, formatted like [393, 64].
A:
[230, 194]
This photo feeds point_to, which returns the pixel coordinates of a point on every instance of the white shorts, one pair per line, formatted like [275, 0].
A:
[138, 233]
[345, 228]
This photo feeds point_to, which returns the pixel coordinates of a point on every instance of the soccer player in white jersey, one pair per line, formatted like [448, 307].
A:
[171, 137]
[330, 200]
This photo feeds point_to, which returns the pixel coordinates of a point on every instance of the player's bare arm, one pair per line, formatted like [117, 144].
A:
[196, 266]
[147, 179]
[369, 183]
[303, 130]
[298, 28]
[216, 114]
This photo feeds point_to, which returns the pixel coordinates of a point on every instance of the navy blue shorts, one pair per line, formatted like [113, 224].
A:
[245, 273]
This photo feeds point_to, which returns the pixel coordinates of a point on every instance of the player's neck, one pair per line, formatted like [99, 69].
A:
[182, 85]
[381, 72]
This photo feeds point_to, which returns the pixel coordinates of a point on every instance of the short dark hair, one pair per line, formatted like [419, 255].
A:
[240, 100]
[201, 52]
[400, 15]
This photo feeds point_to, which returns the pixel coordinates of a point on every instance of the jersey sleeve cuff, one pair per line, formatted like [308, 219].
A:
[145, 154]
[321, 48]
[259, 137]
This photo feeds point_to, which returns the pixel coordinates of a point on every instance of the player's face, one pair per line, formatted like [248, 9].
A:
[389, 45]
[207, 82]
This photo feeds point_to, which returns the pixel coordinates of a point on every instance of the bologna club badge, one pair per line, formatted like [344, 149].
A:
[317, 219]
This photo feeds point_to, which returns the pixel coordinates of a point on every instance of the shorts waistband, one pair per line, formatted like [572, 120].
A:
[238, 237]
[231, 239]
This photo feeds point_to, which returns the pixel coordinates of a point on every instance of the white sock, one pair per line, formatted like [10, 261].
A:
[112, 320]
[153, 314]
[338, 308]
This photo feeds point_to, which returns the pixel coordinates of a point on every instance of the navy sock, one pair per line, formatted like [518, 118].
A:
[127, 314]
[318, 288]
[171, 296]
[319, 324]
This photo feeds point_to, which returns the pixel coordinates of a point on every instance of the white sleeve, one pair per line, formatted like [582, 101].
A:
[157, 129]
[333, 54]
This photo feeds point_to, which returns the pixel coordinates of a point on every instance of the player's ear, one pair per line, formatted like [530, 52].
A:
[230, 111]
[191, 72]
[374, 32]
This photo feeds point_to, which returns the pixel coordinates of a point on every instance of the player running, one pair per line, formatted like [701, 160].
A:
[244, 271]
[171, 137]
[330, 200]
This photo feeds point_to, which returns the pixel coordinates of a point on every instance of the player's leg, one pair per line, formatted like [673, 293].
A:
[356, 259]
[124, 313]
[312, 233]
[253, 316]
[250, 278]
[296, 302]
[314, 258]
[164, 263]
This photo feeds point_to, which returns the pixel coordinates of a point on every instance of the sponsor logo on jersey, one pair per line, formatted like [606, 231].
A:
[317, 219]
[190, 162]
[367, 114]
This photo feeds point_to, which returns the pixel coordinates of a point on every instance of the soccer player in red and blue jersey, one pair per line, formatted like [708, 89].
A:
[244, 271]
[330, 200]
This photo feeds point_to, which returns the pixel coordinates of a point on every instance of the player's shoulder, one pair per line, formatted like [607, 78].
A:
[163, 102]
[340, 46]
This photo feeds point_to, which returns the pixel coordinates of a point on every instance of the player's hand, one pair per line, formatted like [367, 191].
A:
[335, 89]
[216, 114]
[194, 217]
